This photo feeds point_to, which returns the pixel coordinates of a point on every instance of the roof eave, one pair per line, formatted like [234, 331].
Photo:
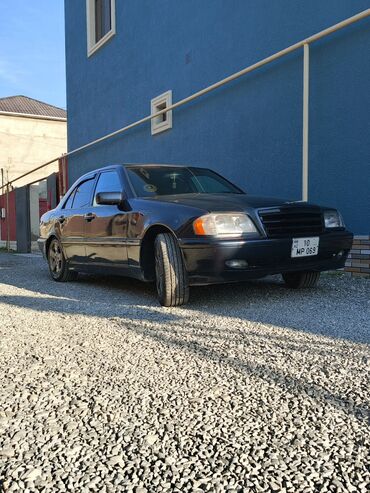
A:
[35, 117]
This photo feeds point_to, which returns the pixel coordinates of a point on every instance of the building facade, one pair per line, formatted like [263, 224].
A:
[31, 133]
[126, 58]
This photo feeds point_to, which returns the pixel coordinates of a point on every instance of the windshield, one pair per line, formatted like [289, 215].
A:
[168, 180]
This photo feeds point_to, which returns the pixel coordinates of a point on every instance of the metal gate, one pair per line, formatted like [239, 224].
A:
[22, 214]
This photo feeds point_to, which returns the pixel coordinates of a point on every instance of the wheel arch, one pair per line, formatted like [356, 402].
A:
[147, 249]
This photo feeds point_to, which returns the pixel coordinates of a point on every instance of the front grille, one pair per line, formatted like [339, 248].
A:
[283, 223]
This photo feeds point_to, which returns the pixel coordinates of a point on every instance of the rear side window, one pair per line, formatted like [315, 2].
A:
[82, 195]
[108, 182]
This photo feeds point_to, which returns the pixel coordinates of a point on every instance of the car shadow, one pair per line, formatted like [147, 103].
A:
[246, 320]
[232, 347]
[193, 340]
[330, 310]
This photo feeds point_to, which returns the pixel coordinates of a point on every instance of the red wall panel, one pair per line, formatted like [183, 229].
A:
[10, 216]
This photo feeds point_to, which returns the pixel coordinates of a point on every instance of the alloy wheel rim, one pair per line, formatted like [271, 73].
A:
[55, 258]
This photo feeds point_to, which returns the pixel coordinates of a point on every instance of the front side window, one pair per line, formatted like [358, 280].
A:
[100, 23]
[168, 180]
[82, 196]
[108, 182]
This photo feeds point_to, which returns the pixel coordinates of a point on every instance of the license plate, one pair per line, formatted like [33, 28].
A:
[305, 247]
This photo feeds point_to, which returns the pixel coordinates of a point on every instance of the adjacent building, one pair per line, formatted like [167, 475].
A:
[31, 133]
[127, 59]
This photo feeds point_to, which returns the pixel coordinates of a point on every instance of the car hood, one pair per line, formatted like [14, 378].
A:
[226, 202]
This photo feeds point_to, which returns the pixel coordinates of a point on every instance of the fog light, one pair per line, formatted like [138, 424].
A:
[236, 264]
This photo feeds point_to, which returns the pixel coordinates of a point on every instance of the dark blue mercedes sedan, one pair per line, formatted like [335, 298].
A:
[182, 226]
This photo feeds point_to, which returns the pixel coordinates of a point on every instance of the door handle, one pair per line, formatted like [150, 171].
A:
[61, 219]
[89, 216]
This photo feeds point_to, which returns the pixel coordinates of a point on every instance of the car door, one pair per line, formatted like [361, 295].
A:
[70, 222]
[106, 226]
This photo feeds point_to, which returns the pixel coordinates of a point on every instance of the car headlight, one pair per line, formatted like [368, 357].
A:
[224, 224]
[333, 219]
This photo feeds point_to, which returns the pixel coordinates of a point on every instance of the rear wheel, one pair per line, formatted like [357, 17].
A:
[58, 266]
[299, 280]
[171, 276]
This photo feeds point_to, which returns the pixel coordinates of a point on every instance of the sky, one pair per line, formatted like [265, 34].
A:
[32, 58]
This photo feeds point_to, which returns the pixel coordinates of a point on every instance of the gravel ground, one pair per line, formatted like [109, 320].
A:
[250, 387]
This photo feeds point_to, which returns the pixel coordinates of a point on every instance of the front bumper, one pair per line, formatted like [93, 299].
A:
[205, 258]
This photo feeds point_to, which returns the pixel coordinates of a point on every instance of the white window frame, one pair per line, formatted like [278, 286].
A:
[157, 124]
[92, 45]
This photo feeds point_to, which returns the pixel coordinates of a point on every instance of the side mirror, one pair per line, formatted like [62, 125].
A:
[110, 198]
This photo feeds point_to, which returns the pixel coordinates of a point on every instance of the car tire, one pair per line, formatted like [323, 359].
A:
[58, 266]
[171, 276]
[301, 280]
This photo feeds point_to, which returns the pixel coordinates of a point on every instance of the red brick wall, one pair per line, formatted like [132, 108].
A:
[10, 216]
[358, 262]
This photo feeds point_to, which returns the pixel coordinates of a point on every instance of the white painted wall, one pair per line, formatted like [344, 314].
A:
[26, 143]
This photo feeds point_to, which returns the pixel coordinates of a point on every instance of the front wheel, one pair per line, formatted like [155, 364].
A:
[58, 266]
[171, 276]
[299, 280]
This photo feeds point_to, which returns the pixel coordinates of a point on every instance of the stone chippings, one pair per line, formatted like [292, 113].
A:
[249, 388]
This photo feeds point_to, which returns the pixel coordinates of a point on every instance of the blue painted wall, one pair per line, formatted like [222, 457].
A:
[250, 130]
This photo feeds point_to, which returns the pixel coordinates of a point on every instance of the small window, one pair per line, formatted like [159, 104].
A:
[83, 194]
[163, 121]
[103, 18]
[101, 23]
[108, 182]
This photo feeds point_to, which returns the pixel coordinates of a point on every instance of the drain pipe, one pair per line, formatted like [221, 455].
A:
[7, 218]
[306, 114]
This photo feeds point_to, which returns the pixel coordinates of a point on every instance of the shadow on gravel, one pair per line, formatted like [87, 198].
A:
[329, 310]
[86, 288]
[102, 309]
[213, 344]
[268, 373]
[337, 308]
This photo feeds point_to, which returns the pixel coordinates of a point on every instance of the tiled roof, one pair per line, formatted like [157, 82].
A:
[29, 106]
